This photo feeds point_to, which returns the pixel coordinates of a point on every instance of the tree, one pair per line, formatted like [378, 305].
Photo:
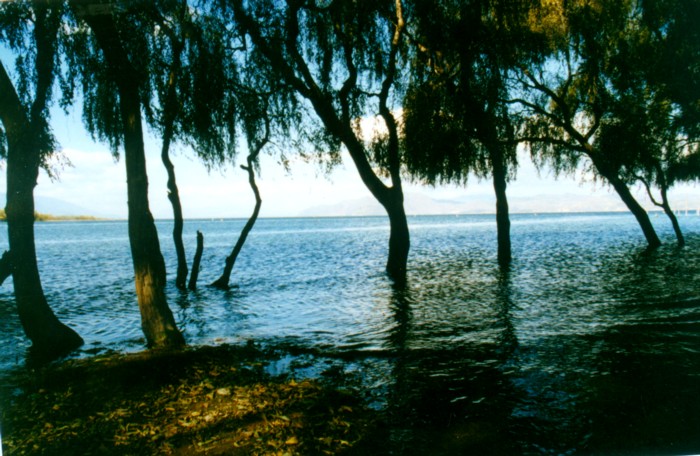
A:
[656, 93]
[194, 105]
[567, 100]
[157, 320]
[455, 121]
[344, 60]
[29, 143]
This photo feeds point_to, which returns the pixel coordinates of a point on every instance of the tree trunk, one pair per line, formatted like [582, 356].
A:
[50, 337]
[674, 221]
[157, 320]
[197, 260]
[502, 212]
[339, 124]
[178, 223]
[5, 266]
[632, 204]
[170, 113]
[223, 281]
[399, 237]
[664, 204]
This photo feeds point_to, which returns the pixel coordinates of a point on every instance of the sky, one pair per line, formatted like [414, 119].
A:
[96, 184]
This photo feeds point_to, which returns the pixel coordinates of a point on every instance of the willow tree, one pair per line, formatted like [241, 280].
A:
[31, 29]
[568, 100]
[113, 90]
[655, 95]
[455, 120]
[191, 70]
[343, 59]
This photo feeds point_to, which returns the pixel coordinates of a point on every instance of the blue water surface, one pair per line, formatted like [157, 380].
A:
[588, 343]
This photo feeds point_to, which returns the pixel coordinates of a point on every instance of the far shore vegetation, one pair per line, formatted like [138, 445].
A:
[39, 217]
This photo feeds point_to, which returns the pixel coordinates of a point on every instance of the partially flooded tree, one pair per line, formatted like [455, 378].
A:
[567, 99]
[256, 142]
[655, 92]
[190, 69]
[31, 29]
[455, 120]
[344, 60]
[111, 75]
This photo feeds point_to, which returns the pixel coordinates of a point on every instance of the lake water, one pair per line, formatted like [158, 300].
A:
[588, 344]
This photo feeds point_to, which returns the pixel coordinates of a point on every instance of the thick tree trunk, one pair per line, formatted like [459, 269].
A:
[157, 320]
[223, 281]
[399, 237]
[502, 212]
[49, 336]
[197, 260]
[632, 204]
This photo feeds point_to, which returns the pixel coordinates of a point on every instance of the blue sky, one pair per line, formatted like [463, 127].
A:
[95, 182]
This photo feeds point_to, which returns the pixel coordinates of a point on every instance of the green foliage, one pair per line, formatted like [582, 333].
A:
[32, 32]
[455, 122]
[601, 94]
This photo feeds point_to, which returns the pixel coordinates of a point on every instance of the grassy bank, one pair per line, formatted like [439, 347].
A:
[39, 217]
[204, 401]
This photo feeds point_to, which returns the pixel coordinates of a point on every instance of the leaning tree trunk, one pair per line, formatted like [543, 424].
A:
[49, 336]
[157, 319]
[502, 212]
[674, 221]
[223, 281]
[664, 204]
[632, 204]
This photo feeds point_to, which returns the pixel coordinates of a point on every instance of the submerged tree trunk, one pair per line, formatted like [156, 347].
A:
[399, 237]
[24, 135]
[197, 260]
[157, 320]
[223, 281]
[502, 212]
[632, 204]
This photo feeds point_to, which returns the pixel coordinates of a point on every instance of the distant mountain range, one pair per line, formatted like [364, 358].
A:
[420, 204]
